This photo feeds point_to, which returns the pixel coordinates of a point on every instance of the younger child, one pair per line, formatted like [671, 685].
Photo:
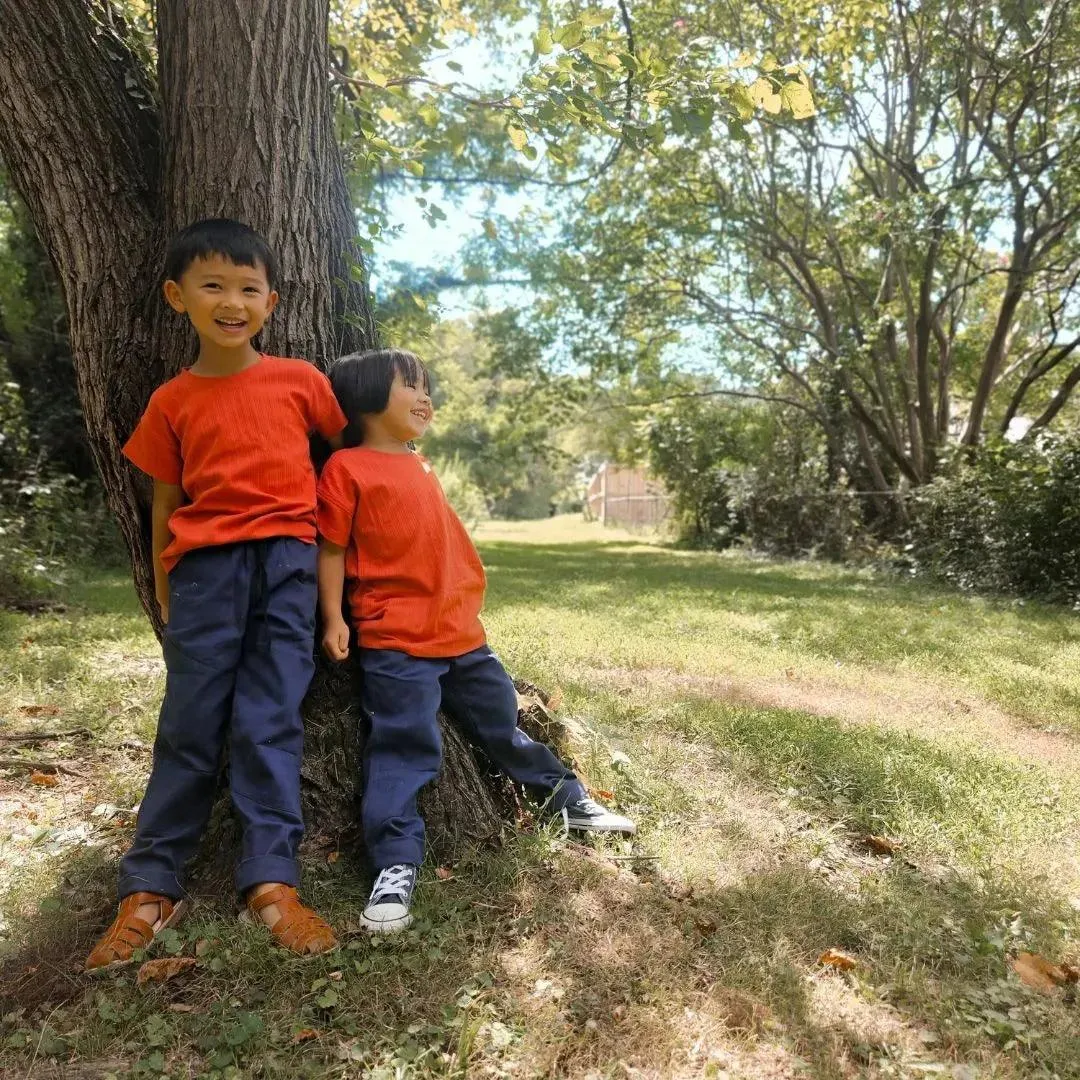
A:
[226, 443]
[416, 589]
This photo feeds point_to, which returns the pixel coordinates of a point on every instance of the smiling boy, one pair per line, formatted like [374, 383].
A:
[233, 530]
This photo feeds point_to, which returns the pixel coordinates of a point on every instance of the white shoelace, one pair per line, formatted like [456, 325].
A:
[589, 808]
[393, 881]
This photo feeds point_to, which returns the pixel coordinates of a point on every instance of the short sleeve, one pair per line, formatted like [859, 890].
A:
[338, 496]
[154, 446]
[324, 412]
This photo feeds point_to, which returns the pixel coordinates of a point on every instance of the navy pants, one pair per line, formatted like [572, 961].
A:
[239, 652]
[401, 695]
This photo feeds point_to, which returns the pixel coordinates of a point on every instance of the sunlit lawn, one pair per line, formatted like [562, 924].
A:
[759, 718]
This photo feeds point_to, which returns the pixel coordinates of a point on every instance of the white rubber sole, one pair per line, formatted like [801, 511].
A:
[392, 926]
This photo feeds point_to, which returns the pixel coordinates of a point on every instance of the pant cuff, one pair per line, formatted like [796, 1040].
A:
[162, 884]
[264, 868]
[382, 857]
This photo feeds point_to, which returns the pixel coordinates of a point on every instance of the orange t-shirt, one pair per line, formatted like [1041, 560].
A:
[238, 445]
[415, 580]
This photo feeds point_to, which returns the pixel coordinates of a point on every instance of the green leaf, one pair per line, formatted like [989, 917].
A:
[429, 114]
[571, 35]
[543, 41]
[414, 167]
[453, 65]
[490, 230]
[744, 104]
[327, 999]
[376, 77]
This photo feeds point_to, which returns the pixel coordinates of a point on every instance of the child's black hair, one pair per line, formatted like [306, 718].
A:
[230, 239]
[362, 382]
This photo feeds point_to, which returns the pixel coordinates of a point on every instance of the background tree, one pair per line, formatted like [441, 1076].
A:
[902, 266]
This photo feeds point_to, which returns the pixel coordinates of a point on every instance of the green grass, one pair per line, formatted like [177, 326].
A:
[759, 718]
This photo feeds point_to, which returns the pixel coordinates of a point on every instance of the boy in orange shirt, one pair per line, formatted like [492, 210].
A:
[416, 589]
[226, 443]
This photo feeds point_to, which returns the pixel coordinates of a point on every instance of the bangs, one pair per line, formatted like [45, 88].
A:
[411, 368]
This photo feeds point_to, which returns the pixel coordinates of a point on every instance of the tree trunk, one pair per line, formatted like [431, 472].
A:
[239, 125]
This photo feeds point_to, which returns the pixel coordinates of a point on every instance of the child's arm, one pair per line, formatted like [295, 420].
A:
[331, 585]
[168, 498]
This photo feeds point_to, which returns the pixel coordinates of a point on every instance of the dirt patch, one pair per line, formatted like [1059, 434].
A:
[929, 709]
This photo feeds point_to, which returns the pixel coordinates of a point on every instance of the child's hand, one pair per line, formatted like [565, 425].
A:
[335, 640]
[164, 606]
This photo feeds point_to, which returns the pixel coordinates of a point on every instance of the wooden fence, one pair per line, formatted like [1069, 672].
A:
[628, 497]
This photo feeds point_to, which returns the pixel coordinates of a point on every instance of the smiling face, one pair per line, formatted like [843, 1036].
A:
[226, 302]
[408, 412]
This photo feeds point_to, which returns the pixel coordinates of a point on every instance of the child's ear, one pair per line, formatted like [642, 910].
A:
[173, 296]
[271, 302]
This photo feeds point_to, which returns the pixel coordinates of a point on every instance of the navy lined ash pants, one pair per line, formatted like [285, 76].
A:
[401, 696]
[239, 652]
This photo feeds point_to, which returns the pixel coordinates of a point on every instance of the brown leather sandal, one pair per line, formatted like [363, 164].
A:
[128, 932]
[298, 928]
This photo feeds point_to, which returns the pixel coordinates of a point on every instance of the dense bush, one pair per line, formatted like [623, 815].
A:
[755, 475]
[1008, 520]
[47, 518]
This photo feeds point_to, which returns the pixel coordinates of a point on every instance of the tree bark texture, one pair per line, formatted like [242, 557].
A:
[239, 123]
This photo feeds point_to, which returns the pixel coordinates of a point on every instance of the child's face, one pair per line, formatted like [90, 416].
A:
[409, 411]
[226, 303]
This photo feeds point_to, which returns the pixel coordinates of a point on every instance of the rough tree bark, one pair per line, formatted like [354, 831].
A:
[111, 161]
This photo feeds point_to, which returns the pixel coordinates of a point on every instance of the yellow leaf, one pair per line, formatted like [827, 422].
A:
[377, 78]
[880, 845]
[745, 59]
[837, 958]
[797, 97]
[1039, 973]
[390, 114]
[518, 139]
[163, 970]
[764, 96]
[44, 779]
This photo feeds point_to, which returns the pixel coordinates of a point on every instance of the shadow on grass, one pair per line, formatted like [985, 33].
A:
[565, 961]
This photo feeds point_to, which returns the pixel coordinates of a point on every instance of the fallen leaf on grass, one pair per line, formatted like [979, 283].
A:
[556, 699]
[181, 1007]
[39, 710]
[333, 857]
[1037, 972]
[837, 958]
[1071, 971]
[305, 1035]
[443, 873]
[601, 793]
[881, 845]
[44, 779]
[163, 970]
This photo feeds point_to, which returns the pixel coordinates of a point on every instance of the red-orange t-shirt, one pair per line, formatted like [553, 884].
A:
[415, 580]
[238, 445]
